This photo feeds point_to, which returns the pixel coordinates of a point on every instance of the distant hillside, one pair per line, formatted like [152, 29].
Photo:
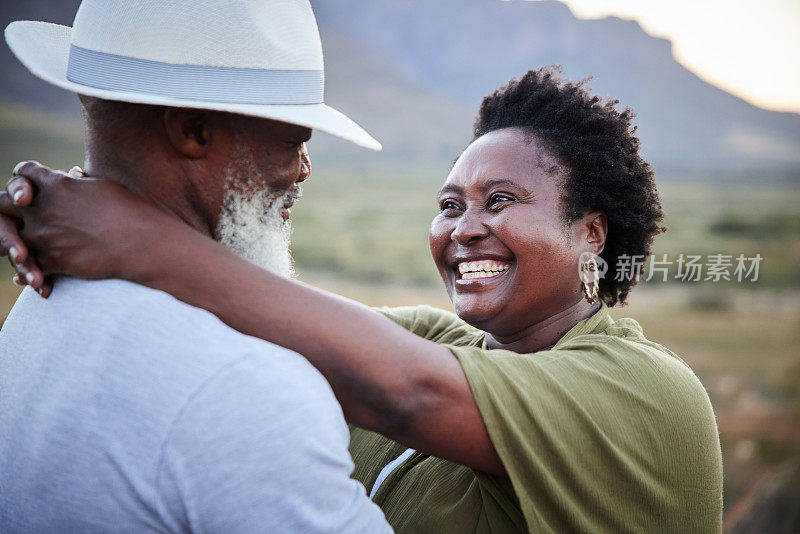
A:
[413, 73]
[466, 48]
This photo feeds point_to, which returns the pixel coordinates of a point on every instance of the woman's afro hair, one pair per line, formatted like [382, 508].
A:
[603, 171]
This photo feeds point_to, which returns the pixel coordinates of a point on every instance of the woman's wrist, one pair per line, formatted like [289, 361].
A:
[181, 261]
[153, 250]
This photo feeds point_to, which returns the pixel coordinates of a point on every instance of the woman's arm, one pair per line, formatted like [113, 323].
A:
[387, 380]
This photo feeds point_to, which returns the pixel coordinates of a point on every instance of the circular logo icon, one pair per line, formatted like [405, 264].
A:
[591, 267]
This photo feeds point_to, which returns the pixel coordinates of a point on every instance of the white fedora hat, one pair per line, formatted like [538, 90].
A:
[254, 57]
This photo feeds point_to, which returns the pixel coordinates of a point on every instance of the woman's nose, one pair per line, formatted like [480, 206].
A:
[469, 228]
[305, 164]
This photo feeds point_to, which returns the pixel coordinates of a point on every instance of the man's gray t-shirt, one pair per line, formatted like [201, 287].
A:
[125, 410]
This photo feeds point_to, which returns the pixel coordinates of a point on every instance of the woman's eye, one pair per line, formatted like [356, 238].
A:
[448, 206]
[498, 198]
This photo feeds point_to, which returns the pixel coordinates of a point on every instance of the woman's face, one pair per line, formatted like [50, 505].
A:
[507, 257]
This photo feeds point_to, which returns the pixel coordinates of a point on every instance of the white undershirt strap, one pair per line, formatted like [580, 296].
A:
[386, 471]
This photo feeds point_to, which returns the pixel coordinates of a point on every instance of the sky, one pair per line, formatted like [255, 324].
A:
[748, 48]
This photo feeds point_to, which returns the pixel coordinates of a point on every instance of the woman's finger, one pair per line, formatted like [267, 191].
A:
[11, 243]
[30, 273]
[76, 172]
[39, 174]
[21, 191]
[47, 288]
[27, 276]
[7, 206]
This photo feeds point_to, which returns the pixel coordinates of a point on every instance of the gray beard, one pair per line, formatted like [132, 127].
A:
[250, 222]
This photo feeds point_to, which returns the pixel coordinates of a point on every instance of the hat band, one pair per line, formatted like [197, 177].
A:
[200, 83]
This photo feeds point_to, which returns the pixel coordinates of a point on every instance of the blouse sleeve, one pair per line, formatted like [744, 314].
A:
[434, 324]
[601, 437]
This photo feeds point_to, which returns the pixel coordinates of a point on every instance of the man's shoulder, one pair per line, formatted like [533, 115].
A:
[116, 317]
[116, 297]
[153, 336]
[147, 313]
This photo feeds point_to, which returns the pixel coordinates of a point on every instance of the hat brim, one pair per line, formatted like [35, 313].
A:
[44, 49]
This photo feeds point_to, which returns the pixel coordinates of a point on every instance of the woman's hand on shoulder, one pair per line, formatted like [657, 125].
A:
[53, 222]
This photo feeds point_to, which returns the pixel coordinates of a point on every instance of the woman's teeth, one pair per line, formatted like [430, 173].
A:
[481, 269]
[469, 276]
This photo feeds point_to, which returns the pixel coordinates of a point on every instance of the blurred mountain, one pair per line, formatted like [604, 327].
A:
[466, 48]
[413, 73]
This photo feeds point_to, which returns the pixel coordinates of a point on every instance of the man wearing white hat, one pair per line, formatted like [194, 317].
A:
[121, 408]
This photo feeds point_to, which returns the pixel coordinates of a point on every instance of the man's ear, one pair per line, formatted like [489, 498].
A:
[597, 229]
[189, 131]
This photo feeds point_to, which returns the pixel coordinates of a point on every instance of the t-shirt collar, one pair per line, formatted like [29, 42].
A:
[595, 324]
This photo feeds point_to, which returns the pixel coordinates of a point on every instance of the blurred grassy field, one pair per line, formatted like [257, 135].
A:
[364, 235]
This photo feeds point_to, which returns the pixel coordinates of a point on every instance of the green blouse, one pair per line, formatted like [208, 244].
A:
[605, 432]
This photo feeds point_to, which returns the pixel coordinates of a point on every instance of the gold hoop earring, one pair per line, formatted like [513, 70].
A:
[590, 279]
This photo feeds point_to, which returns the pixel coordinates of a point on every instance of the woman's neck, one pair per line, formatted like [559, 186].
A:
[546, 333]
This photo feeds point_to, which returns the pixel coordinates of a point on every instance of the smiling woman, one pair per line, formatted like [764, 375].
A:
[530, 409]
[502, 206]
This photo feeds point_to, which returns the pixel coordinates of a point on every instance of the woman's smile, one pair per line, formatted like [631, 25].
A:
[477, 274]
